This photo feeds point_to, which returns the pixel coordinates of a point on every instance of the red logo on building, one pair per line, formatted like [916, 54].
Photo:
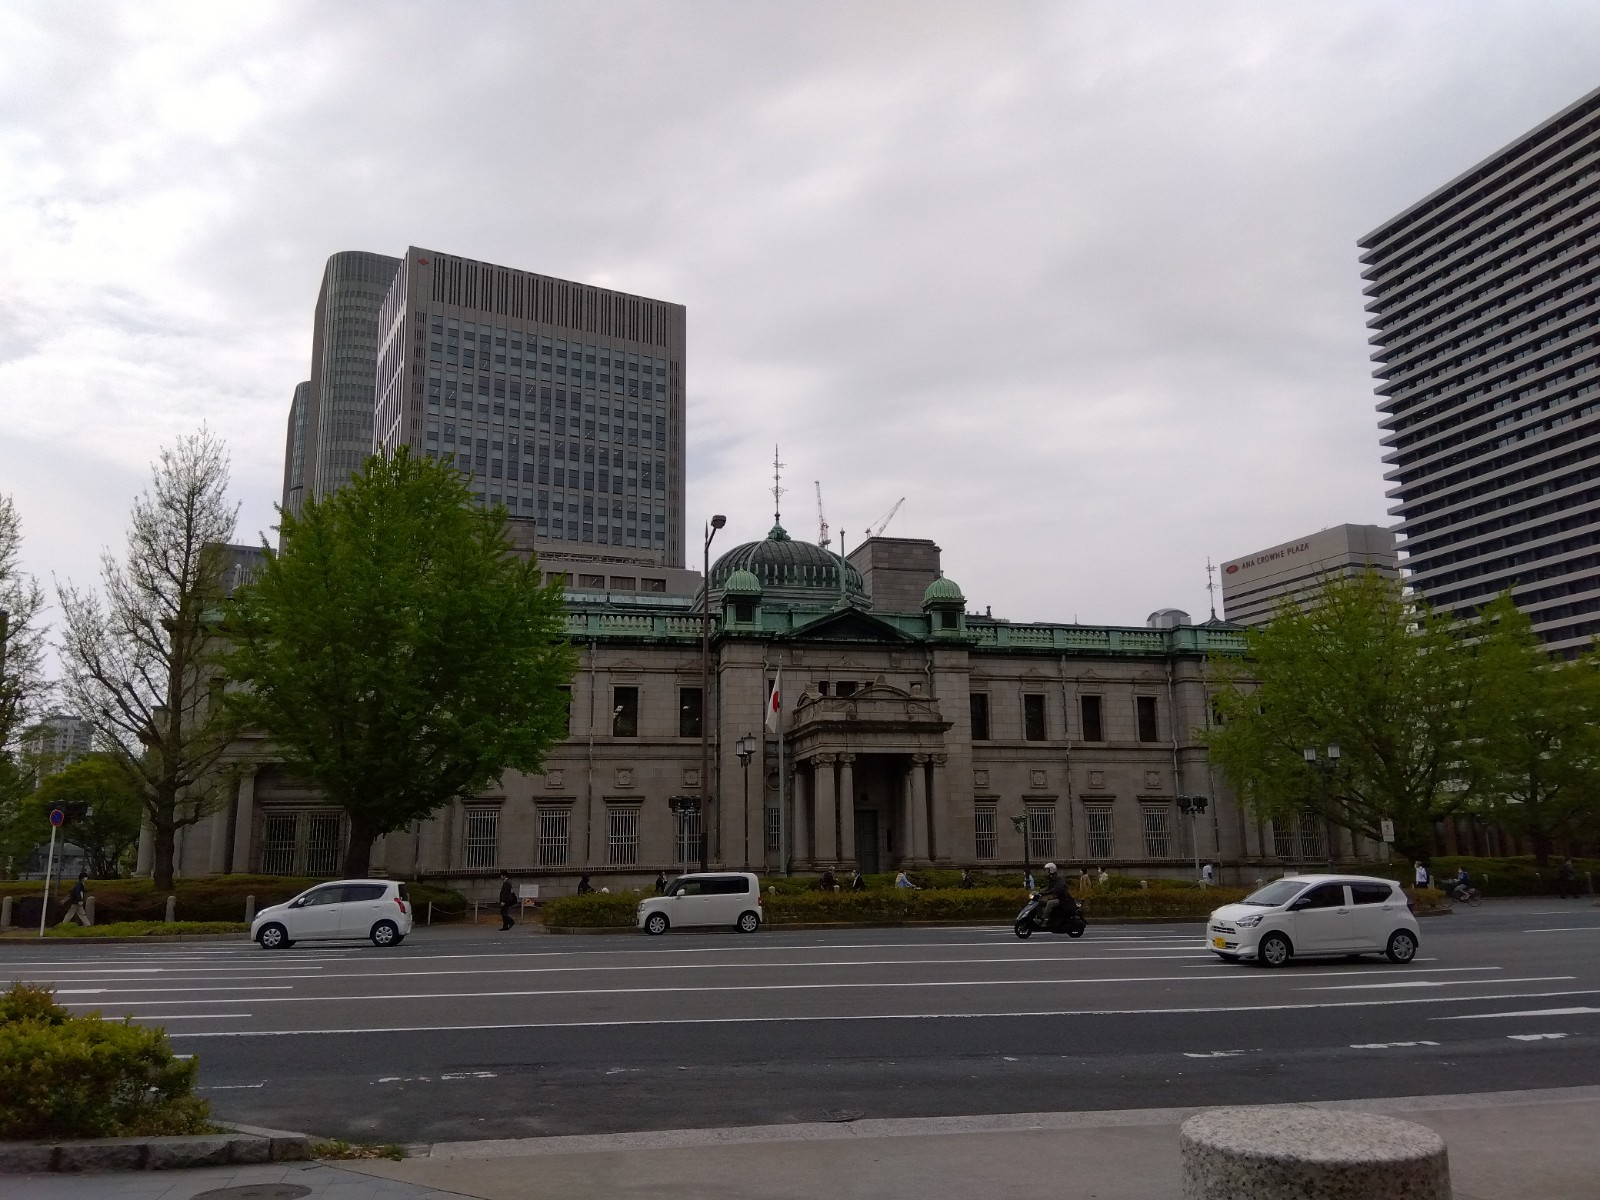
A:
[423, 261]
[1231, 568]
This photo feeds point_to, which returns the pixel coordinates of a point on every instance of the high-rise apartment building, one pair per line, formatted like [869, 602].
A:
[1254, 585]
[561, 401]
[1485, 302]
[294, 450]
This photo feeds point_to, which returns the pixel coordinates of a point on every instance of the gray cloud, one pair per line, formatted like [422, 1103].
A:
[1078, 280]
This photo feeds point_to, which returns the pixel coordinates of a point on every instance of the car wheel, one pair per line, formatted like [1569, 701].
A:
[398, 938]
[655, 924]
[1274, 950]
[385, 933]
[1402, 946]
[273, 937]
[749, 922]
[1023, 930]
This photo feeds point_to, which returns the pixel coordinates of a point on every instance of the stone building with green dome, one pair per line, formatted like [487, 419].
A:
[916, 729]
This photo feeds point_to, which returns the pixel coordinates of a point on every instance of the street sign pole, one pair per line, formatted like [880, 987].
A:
[56, 817]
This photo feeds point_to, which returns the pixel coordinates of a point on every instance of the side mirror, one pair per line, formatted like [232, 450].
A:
[1300, 904]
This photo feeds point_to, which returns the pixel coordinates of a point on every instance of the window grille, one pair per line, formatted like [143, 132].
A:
[482, 838]
[774, 826]
[554, 828]
[983, 829]
[278, 843]
[322, 843]
[1310, 835]
[1157, 832]
[1098, 821]
[688, 837]
[622, 836]
[1042, 831]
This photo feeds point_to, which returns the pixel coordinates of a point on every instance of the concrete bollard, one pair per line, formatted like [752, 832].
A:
[88, 909]
[430, 912]
[249, 909]
[172, 909]
[1274, 1153]
[5, 911]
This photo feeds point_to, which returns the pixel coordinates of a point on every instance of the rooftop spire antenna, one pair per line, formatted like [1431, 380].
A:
[777, 489]
[823, 539]
[1211, 586]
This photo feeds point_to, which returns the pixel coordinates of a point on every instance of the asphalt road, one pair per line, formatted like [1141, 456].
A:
[461, 1034]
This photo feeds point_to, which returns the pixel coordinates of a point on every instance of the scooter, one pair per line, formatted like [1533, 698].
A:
[1067, 918]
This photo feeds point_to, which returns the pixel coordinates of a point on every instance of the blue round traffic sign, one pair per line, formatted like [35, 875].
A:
[57, 816]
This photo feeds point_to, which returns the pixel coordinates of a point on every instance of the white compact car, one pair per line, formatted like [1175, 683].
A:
[1311, 915]
[713, 898]
[378, 909]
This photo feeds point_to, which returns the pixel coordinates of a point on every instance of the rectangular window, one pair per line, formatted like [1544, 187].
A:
[1311, 835]
[278, 843]
[324, 835]
[774, 827]
[1041, 831]
[980, 716]
[482, 838]
[1157, 833]
[983, 830]
[1033, 717]
[1097, 822]
[1145, 708]
[690, 711]
[625, 712]
[688, 840]
[622, 835]
[555, 826]
[1093, 728]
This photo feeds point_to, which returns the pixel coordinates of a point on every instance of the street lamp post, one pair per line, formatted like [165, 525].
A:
[1022, 827]
[746, 750]
[1193, 806]
[716, 523]
[1324, 767]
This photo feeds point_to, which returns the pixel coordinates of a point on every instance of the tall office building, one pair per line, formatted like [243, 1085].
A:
[561, 401]
[1485, 302]
[1255, 585]
[334, 418]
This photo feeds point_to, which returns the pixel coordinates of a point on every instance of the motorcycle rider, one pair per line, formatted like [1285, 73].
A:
[1056, 890]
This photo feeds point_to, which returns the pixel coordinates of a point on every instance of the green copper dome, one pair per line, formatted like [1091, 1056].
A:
[789, 570]
[942, 592]
[741, 583]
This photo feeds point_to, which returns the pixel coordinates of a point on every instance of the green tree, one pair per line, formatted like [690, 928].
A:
[1534, 738]
[1366, 668]
[104, 807]
[141, 663]
[22, 685]
[397, 654]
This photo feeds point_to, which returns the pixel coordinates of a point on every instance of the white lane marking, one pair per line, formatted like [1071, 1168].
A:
[1072, 1012]
[120, 991]
[1527, 1012]
[1216, 1054]
[1533, 1037]
[1567, 929]
[1388, 1045]
[1432, 983]
[187, 1017]
[865, 985]
[232, 1087]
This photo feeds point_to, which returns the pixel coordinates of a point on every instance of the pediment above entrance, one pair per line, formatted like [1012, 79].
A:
[879, 717]
[850, 625]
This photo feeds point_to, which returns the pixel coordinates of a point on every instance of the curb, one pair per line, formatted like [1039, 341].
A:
[835, 925]
[35, 941]
[241, 1145]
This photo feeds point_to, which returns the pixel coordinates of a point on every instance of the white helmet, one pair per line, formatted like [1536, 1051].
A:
[1049, 867]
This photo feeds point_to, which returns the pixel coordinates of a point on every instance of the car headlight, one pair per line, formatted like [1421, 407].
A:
[1248, 922]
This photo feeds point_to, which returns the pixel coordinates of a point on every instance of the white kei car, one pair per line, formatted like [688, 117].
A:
[378, 909]
[730, 898]
[1316, 915]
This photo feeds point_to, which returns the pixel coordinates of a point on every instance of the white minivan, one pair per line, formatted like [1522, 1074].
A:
[1314, 916]
[711, 898]
[377, 909]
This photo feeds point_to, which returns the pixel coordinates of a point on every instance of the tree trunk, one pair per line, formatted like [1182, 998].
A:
[163, 844]
[358, 855]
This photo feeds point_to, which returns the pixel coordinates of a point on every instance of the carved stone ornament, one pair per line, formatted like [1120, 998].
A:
[552, 779]
[1152, 779]
[980, 779]
[1097, 780]
[1038, 779]
[691, 777]
[624, 777]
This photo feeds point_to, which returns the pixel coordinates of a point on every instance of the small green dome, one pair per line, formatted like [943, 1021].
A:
[741, 583]
[942, 592]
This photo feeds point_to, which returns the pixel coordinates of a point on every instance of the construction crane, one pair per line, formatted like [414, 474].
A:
[823, 539]
[877, 527]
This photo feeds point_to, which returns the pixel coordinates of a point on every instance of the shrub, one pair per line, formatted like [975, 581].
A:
[594, 911]
[1521, 876]
[64, 1075]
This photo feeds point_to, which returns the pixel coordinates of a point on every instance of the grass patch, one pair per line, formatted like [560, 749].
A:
[339, 1149]
[115, 929]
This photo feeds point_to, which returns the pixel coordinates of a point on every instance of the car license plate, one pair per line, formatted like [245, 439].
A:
[1219, 943]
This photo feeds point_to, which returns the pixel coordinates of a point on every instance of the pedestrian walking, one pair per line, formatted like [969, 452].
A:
[1208, 874]
[1569, 880]
[966, 878]
[828, 882]
[585, 888]
[508, 901]
[661, 883]
[78, 901]
[1421, 873]
[857, 884]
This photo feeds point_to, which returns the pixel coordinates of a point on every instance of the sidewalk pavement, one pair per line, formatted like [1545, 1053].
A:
[1502, 1145]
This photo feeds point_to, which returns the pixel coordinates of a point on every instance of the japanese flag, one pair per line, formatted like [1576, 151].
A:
[775, 702]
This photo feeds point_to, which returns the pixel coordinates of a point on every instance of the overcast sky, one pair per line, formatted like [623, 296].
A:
[1078, 280]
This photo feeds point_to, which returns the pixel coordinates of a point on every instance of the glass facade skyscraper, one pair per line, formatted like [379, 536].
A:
[1485, 303]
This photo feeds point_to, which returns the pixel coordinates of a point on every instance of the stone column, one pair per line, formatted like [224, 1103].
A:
[803, 798]
[917, 844]
[941, 803]
[827, 808]
[244, 822]
[847, 808]
[219, 834]
[147, 850]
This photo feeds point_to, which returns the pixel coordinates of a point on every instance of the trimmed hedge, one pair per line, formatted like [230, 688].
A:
[1492, 876]
[78, 1076]
[118, 929]
[204, 898]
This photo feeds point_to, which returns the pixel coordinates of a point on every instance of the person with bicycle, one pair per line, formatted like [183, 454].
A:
[1461, 885]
